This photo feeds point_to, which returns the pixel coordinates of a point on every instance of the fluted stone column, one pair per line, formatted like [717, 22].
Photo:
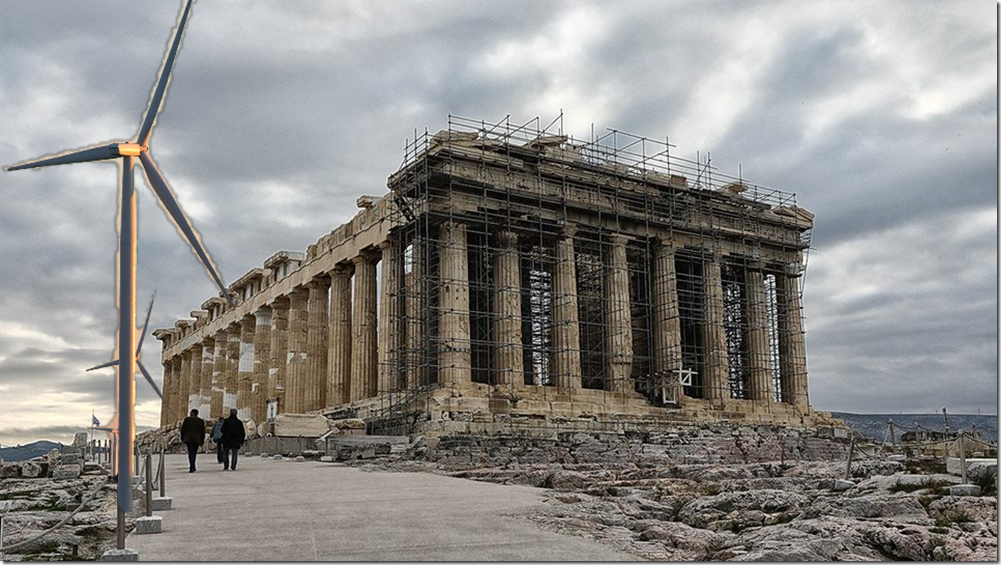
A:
[389, 316]
[619, 337]
[169, 386]
[759, 352]
[219, 373]
[245, 368]
[205, 377]
[666, 320]
[315, 385]
[178, 405]
[717, 366]
[792, 348]
[185, 383]
[364, 331]
[195, 378]
[295, 359]
[339, 359]
[231, 376]
[259, 389]
[279, 352]
[566, 317]
[454, 356]
[507, 312]
[416, 363]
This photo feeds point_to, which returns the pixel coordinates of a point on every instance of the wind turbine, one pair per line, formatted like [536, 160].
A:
[127, 152]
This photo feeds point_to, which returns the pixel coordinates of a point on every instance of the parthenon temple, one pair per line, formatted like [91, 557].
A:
[514, 275]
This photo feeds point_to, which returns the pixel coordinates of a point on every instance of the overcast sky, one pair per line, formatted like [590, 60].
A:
[881, 117]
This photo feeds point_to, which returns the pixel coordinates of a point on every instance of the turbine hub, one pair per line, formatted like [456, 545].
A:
[129, 149]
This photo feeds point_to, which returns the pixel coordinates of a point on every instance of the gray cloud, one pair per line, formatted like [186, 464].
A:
[882, 118]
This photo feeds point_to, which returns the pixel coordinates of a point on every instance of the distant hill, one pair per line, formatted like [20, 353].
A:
[874, 425]
[28, 450]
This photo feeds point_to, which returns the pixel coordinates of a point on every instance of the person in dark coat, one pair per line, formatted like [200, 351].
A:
[193, 435]
[217, 439]
[233, 436]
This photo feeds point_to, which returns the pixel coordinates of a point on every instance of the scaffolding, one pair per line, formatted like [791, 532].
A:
[460, 190]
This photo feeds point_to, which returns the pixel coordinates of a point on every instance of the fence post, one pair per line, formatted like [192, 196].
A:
[962, 453]
[851, 455]
[149, 484]
[163, 475]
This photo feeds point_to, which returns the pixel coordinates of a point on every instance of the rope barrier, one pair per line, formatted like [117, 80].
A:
[59, 524]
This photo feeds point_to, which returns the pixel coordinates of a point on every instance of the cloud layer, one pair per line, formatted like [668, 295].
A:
[881, 117]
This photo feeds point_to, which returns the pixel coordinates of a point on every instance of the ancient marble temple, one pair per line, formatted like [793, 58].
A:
[512, 276]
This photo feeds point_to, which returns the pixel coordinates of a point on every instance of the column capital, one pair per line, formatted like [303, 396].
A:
[507, 238]
[568, 231]
[667, 243]
[793, 269]
[343, 269]
[298, 293]
[319, 281]
[365, 256]
[619, 238]
[279, 302]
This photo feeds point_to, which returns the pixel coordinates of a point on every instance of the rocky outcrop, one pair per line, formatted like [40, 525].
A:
[47, 490]
[657, 504]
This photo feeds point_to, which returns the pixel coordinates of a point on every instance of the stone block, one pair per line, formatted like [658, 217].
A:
[162, 503]
[964, 490]
[80, 439]
[34, 469]
[326, 459]
[346, 425]
[295, 425]
[10, 470]
[841, 485]
[277, 458]
[952, 464]
[63, 472]
[149, 525]
[300, 459]
[120, 555]
[91, 468]
[264, 456]
[900, 458]
[70, 459]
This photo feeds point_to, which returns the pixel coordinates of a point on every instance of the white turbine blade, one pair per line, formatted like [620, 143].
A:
[159, 186]
[149, 379]
[108, 364]
[82, 156]
[142, 336]
[161, 83]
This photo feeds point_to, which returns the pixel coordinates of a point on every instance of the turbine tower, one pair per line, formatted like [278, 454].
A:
[127, 152]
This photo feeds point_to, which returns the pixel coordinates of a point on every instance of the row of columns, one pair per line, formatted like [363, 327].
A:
[325, 343]
[317, 346]
[454, 354]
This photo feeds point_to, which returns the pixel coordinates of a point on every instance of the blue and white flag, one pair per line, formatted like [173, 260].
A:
[94, 422]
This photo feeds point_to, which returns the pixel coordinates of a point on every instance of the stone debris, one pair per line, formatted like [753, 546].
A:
[295, 425]
[36, 501]
[964, 490]
[638, 500]
[149, 525]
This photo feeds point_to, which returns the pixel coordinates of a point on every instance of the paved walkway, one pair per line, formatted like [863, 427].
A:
[286, 511]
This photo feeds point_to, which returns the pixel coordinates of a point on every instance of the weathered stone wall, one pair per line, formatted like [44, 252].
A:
[691, 445]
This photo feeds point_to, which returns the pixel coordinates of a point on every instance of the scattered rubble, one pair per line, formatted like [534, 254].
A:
[657, 504]
[38, 494]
